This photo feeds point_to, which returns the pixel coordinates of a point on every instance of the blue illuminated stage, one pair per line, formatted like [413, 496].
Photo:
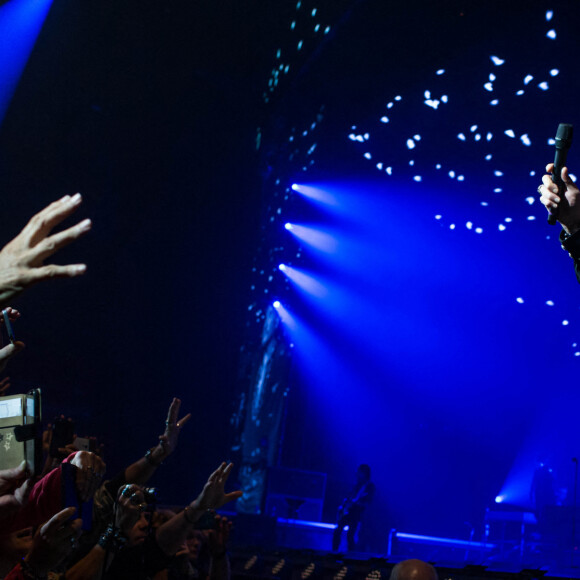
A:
[412, 308]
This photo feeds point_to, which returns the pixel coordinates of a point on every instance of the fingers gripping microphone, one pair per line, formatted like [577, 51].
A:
[563, 143]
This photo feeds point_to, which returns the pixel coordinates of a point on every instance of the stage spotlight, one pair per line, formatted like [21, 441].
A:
[276, 304]
[295, 187]
[500, 498]
[282, 267]
[288, 226]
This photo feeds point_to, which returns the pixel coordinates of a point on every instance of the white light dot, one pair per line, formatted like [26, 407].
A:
[384, 119]
[438, 166]
[532, 173]
[380, 166]
[498, 190]
[368, 156]
[498, 173]
[452, 227]
[551, 34]
[444, 98]
[497, 61]
[488, 157]
[427, 94]
[300, 43]
[469, 225]
[520, 300]
[565, 322]
[574, 344]
[327, 30]
[461, 137]
[366, 136]
[550, 302]
[531, 218]
[501, 227]
[352, 137]
[508, 220]
[526, 140]
[494, 102]
[313, 12]
[477, 137]
[554, 72]
[452, 174]
[484, 203]
[492, 77]
[460, 178]
[411, 163]
[577, 354]
[489, 136]
[440, 71]
[544, 86]
[438, 216]
[398, 98]
[509, 133]
[549, 15]
[488, 87]
[572, 176]
[551, 141]
[527, 79]
[418, 178]
[478, 230]
[317, 28]
[473, 128]
[389, 170]
[520, 92]
[417, 137]
[530, 200]
[389, 105]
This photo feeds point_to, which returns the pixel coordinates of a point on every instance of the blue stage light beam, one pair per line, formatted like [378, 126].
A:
[20, 24]
[314, 237]
[306, 281]
[317, 194]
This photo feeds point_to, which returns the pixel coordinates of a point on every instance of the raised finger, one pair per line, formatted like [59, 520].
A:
[548, 184]
[173, 411]
[57, 520]
[52, 244]
[42, 223]
[184, 420]
[550, 167]
[54, 271]
[217, 473]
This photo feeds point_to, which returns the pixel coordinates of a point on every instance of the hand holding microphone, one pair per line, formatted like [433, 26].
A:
[559, 193]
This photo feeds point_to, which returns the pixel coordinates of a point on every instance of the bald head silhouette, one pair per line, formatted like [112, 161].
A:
[413, 570]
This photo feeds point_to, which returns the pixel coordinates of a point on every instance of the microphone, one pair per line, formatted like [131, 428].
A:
[563, 143]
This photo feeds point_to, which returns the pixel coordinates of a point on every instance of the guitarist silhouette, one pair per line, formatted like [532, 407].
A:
[353, 506]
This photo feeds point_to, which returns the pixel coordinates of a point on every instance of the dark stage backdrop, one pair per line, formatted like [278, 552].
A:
[432, 315]
[150, 110]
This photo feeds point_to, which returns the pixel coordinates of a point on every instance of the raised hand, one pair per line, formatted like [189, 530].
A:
[53, 542]
[22, 259]
[213, 495]
[568, 208]
[15, 487]
[90, 471]
[168, 441]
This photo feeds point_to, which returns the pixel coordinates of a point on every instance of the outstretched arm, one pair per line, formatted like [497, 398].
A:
[22, 259]
[172, 534]
[140, 471]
